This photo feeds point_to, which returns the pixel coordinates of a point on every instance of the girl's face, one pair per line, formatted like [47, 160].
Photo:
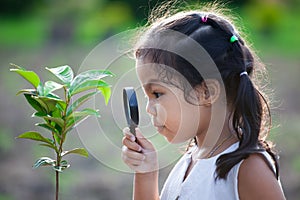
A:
[174, 117]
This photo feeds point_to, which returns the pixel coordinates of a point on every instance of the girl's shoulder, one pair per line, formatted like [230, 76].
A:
[257, 179]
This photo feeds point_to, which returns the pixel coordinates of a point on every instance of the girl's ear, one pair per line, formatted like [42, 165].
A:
[208, 92]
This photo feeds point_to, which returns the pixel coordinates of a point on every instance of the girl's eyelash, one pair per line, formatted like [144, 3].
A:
[157, 94]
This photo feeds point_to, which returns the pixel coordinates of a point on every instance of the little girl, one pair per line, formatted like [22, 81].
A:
[197, 73]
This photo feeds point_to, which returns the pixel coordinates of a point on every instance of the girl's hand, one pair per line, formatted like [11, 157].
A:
[138, 152]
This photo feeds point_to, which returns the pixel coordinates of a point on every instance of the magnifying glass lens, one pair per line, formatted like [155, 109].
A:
[131, 108]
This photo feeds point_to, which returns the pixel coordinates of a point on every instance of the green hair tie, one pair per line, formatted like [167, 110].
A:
[233, 38]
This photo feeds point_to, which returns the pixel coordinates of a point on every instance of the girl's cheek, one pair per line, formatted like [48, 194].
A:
[150, 108]
[162, 114]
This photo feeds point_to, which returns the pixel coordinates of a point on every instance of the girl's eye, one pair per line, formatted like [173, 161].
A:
[157, 94]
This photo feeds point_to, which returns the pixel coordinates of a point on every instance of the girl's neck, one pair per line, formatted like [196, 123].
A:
[225, 139]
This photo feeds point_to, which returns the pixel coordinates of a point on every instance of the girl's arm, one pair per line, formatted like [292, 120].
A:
[257, 181]
[139, 154]
[146, 186]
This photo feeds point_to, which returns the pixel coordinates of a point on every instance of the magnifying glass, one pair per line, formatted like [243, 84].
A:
[131, 108]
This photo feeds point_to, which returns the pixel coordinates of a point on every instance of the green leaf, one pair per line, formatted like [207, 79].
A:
[28, 91]
[38, 114]
[40, 89]
[69, 128]
[30, 76]
[77, 117]
[48, 127]
[49, 146]
[84, 112]
[60, 108]
[58, 121]
[56, 113]
[79, 102]
[35, 136]
[62, 104]
[106, 92]
[51, 86]
[87, 85]
[57, 137]
[41, 103]
[44, 161]
[53, 130]
[34, 103]
[63, 165]
[63, 73]
[80, 151]
[74, 121]
[48, 103]
[53, 96]
[49, 100]
[90, 75]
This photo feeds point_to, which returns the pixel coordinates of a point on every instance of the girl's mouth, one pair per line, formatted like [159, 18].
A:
[159, 128]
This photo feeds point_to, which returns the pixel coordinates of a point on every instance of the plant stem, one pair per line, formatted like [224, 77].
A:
[60, 149]
[57, 184]
[58, 159]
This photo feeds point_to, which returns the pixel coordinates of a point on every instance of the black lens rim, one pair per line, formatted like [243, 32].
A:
[131, 107]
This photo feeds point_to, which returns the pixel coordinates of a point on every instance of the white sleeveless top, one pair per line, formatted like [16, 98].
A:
[200, 183]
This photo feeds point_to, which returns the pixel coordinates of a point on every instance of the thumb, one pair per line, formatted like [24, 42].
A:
[144, 142]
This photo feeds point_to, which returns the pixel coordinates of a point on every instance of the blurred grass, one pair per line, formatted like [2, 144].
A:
[270, 27]
[88, 28]
[30, 32]
[6, 197]
[6, 140]
[274, 28]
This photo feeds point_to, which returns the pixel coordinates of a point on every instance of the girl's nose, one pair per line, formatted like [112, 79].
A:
[150, 108]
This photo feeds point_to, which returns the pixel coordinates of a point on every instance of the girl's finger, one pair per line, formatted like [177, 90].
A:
[131, 144]
[128, 134]
[133, 154]
[130, 158]
[144, 142]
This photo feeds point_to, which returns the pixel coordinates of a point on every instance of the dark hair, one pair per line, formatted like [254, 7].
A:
[250, 114]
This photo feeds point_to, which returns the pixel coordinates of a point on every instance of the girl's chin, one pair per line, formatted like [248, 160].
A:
[164, 132]
[172, 139]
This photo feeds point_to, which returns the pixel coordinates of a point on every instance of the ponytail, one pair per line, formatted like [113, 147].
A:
[247, 113]
[247, 120]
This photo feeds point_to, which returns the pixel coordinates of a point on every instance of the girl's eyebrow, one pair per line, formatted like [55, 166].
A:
[152, 82]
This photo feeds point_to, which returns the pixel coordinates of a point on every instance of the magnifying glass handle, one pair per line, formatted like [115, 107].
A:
[132, 129]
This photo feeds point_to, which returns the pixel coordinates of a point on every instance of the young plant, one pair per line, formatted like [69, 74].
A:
[59, 114]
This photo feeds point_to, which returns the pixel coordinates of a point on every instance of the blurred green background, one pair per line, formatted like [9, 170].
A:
[40, 33]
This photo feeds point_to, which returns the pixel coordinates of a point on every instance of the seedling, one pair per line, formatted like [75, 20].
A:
[60, 115]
